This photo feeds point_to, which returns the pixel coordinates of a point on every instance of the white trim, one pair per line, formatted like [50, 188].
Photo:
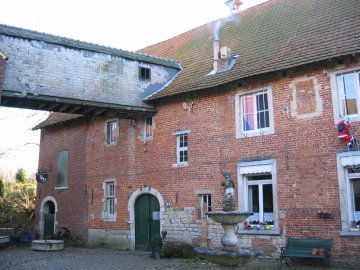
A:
[105, 215]
[180, 132]
[131, 209]
[238, 119]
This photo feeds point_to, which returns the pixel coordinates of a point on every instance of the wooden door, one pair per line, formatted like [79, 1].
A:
[147, 221]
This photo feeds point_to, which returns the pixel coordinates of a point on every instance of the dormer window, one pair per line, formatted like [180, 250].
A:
[144, 73]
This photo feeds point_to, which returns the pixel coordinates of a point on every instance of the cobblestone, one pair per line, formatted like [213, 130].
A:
[71, 258]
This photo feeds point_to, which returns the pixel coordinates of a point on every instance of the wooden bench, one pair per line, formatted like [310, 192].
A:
[310, 248]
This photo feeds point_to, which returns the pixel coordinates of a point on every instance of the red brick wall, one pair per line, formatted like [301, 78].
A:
[305, 151]
[72, 202]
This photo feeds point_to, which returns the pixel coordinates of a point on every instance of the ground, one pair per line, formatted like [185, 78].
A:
[22, 257]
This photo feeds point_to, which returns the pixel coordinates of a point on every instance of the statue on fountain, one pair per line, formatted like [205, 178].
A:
[229, 197]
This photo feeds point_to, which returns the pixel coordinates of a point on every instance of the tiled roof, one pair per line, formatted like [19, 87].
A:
[275, 35]
[57, 118]
[72, 43]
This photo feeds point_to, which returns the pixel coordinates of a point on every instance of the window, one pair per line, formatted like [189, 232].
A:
[148, 130]
[109, 200]
[62, 169]
[254, 113]
[205, 204]
[260, 199]
[181, 147]
[354, 198]
[348, 87]
[348, 167]
[346, 94]
[111, 132]
[144, 73]
[257, 194]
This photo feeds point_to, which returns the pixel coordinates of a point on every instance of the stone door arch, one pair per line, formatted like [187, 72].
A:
[131, 208]
[48, 212]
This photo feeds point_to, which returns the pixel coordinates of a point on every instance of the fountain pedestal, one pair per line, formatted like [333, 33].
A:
[230, 254]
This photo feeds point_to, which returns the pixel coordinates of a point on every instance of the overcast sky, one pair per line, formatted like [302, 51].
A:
[123, 24]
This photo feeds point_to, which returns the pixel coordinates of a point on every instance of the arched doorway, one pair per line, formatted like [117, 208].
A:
[147, 220]
[49, 219]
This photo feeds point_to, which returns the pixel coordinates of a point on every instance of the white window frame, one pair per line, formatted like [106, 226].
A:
[106, 214]
[244, 169]
[179, 149]
[240, 133]
[108, 136]
[346, 160]
[336, 95]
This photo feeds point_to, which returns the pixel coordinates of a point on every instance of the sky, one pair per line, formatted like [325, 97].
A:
[122, 24]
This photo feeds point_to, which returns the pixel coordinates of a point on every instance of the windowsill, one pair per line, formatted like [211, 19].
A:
[110, 144]
[255, 133]
[259, 232]
[180, 165]
[349, 234]
[61, 188]
[109, 219]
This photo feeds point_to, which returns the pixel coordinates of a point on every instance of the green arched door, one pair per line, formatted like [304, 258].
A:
[147, 220]
[49, 219]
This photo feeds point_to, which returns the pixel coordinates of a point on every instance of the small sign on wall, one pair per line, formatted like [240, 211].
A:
[156, 215]
[41, 177]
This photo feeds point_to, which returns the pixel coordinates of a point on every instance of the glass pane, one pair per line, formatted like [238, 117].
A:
[349, 93]
[254, 198]
[356, 194]
[112, 206]
[268, 198]
[181, 140]
[209, 202]
[183, 156]
[262, 111]
[248, 113]
[111, 132]
[62, 169]
[148, 131]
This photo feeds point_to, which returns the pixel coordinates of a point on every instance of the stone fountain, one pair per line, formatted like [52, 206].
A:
[230, 253]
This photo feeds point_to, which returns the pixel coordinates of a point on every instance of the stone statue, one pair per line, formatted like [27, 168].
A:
[229, 197]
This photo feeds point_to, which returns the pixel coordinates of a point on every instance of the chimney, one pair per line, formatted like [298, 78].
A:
[216, 54]
[216, 46]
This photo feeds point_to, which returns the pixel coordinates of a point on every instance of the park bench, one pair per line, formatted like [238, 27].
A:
[310, 248]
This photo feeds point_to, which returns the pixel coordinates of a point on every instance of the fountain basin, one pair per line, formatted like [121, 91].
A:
[231, 217]
[47, 245]
[218, 256]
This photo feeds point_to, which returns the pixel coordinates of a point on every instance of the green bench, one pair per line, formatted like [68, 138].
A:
[310, 248]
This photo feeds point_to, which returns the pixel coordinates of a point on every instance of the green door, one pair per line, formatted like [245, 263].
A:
[48, 226]
[147, 221]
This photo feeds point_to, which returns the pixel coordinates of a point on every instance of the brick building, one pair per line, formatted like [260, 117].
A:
[261, 99]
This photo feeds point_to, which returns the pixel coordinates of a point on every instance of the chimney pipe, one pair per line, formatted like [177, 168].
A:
[216, 54]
